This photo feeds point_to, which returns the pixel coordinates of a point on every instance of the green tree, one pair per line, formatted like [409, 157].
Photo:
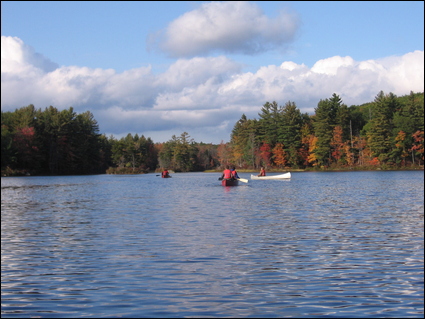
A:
[69, 142]
[8, 155]
[136, 153]
[270, 120]
[48, 127]
[165, 155]
[118, 152]
[290, 132]
[323, 128]
[380, 137]
[184, 153]
[86, 145]
[244, 142]
[408, 119]
[329, 113]
[179, 153]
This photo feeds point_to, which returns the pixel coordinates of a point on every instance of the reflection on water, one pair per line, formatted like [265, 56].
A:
[317, 245]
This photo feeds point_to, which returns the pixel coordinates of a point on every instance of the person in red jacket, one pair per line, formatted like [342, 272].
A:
[227, 173]
[234, 173]
[262, 172]
[165, 173]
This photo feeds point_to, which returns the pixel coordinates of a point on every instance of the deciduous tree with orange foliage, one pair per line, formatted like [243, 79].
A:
[312, 159]
[337, 144]
[279, 155]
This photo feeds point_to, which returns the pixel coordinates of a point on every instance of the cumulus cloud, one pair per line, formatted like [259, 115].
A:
[21, 58]
[203, 96]
[228, 27]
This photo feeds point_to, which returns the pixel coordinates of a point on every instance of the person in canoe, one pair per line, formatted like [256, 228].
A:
[227, 173]
[165, 173]
[234, 173]
[262, 172]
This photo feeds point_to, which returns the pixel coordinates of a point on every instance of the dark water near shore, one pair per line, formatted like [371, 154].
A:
[340, 244]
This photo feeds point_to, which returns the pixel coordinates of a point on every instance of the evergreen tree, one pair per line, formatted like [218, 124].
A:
[329, 113]
[290, 132]
[244, 142]
[380, 138]
[270, 120]
[7, 152]
[165, 155]
[184, 153]
[86, 145]
[323, 129]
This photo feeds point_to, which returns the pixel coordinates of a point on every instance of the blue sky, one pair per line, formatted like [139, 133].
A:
[161, 68]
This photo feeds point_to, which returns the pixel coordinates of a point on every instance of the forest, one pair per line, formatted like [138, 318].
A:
[387, 133]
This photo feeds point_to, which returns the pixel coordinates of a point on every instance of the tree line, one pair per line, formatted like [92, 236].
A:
[52, 142]
[388, 133]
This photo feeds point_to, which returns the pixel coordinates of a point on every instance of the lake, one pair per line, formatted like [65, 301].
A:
[321, 244]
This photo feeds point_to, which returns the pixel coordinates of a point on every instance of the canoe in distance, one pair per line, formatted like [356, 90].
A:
[280, 176]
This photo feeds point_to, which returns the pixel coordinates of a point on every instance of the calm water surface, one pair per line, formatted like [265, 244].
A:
[318, 245]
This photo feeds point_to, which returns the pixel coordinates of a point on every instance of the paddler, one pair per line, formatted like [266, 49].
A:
[262, 172]
[227, 173]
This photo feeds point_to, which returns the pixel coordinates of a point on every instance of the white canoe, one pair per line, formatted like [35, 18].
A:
[281, 176]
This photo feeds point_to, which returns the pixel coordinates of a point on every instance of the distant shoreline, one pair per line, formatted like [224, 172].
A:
[273, 170]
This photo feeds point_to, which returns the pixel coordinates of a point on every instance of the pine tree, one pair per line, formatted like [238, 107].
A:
[329, 113]
[323, 129]
[380, 131]
[244, 141]
[290, 132]
[270, 120]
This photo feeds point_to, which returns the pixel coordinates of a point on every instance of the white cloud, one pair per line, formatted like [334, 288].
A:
[330, 66]
[189, 72]
[131, 89]
[404, 72]
[229, 27]
[19, 58]
[204, 96]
